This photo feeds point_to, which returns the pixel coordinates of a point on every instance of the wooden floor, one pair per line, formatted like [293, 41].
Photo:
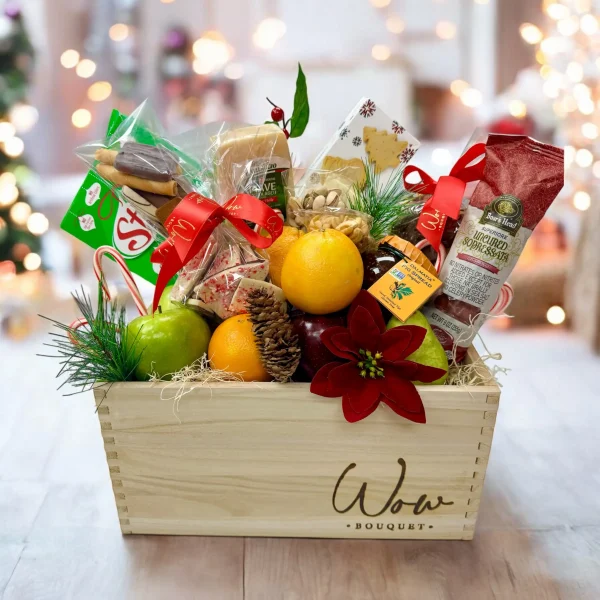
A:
[538, 535]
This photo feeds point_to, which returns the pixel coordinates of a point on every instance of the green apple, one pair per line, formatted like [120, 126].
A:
[165, 301]
[168, 340]
[430, 352]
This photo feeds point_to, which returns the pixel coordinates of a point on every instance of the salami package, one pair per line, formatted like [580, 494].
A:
[522, 177]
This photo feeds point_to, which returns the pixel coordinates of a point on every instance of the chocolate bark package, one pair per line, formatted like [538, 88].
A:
[522, 177]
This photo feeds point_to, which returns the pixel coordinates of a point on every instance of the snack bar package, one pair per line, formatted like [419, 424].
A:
[522, 177]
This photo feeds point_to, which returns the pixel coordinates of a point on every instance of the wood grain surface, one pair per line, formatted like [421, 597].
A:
[275, 460]
[538, 535]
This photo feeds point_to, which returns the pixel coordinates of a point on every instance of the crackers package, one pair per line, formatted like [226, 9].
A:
[367, 134]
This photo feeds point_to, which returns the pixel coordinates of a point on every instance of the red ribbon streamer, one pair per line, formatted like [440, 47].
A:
[446, 193]
[196, 217]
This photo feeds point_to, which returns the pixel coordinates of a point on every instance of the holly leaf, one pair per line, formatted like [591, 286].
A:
[301, 112]
[272, 123]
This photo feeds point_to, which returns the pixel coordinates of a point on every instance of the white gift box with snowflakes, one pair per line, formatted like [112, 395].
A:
[349, 141]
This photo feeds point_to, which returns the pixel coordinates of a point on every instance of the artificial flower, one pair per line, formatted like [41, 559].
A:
[374, 367]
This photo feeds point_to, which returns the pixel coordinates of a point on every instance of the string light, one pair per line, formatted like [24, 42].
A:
[7, 179]
[555, 315]
[581, 200]
[8, 195]
[575, 71]
[445, 30]
[167, 1]
[581, 91]
[381, 52]
[234, 71]
[268, 33]
[23, 117]
[545, 71]
[588, 24]
[589, 130]
[531, 33]
[69, 59]
[7, 131]
[37, 223]
[585, 106]
[568, 26]
[99, 91]
[86, 68]
[557, 11]
[81, 118]
[539, 57]
[596, 169]
[14, 147]
[471, 97]
[20, 212]
[32, 261]
[212, 52]
[584, 157]
[553, 45]
[394, 24]
[517, 108]
[118, 32]
[458, 86]
[380, 3]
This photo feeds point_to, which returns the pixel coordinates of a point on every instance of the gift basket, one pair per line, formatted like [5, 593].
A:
[305, 367]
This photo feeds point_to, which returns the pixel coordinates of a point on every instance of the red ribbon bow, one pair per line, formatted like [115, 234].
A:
[196, 217]
[447, 193]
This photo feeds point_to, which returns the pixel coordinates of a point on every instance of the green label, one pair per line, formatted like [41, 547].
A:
[97, 217]
[504, 212]
[274, 189]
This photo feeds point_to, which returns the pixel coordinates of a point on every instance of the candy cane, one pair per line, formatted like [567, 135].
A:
[505, 296]
[441, 257]
[131, 284]
[503, 301]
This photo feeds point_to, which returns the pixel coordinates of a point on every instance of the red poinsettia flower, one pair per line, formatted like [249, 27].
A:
[374, 367]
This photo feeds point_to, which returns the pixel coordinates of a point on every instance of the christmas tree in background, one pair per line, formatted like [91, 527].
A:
[20, 227]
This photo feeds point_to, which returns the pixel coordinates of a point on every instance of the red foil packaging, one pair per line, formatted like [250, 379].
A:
[522, 177]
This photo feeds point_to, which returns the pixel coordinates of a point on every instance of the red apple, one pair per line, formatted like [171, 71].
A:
[314, 353]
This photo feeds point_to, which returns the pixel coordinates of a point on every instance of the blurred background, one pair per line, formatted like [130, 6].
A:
[441, 67]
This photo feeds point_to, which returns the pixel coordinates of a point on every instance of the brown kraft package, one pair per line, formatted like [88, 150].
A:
[522, 177]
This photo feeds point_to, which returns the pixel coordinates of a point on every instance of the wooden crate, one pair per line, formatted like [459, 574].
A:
[274, 460]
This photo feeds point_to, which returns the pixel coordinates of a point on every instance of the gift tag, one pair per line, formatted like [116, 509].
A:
[405, 288]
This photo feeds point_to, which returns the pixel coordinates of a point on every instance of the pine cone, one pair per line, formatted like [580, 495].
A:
[272, 327]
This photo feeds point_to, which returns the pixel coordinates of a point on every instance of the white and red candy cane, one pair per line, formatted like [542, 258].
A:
[131, 284]
[506, 291]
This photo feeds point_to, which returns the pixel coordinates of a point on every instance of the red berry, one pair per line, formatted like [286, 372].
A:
[287, 133]
[277, 114]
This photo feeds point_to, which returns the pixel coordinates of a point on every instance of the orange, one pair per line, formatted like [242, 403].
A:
[232, 348]
[322, 273]
[279, 250]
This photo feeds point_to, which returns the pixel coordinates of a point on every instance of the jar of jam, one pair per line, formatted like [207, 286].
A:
[379, 263]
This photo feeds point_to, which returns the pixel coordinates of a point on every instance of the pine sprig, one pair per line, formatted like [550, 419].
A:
[387, 204]
[101, 352]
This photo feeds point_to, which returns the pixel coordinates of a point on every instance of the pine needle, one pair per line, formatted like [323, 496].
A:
[387, 204]
[99, 353]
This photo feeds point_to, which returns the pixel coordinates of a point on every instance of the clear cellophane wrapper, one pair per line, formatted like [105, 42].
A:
[323, 201]
[219, 278]
[147, 171]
